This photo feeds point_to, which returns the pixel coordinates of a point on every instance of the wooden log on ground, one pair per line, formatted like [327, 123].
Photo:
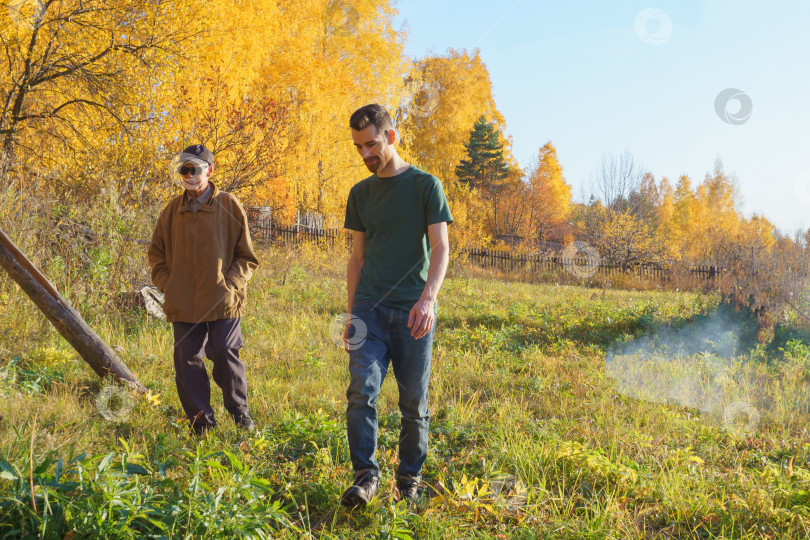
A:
[67, 320]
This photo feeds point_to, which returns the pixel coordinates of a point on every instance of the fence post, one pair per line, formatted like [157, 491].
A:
[67, 321]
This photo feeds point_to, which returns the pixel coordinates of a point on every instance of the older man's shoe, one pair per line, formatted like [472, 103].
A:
[245, 422]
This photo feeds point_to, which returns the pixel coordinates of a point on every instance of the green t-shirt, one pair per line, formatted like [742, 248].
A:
[395, 213]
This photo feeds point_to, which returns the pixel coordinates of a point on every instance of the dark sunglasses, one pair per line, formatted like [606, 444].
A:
[190, 169]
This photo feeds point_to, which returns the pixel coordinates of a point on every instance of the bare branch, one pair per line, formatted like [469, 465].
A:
[617, 178]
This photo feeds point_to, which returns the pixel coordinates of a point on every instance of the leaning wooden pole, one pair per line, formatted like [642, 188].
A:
[67, 320]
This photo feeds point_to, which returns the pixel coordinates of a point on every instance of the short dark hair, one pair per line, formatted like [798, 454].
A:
[374, 115]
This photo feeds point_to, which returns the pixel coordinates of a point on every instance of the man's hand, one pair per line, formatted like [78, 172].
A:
[422, 315]
[421, 318]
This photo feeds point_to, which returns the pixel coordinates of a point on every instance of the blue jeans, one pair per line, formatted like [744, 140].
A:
[388, 339]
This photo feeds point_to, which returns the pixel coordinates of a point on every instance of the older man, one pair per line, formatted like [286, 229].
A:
[202, 258]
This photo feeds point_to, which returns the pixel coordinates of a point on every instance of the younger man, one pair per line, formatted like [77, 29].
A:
[399, 217]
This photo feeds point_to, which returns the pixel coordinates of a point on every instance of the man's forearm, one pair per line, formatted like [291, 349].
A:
[352, 279]
[439, 259]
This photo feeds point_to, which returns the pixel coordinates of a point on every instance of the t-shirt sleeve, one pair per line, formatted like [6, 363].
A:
[352, 220]
[437, 207]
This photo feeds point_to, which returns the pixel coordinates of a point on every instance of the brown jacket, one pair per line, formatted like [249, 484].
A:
[202, 260]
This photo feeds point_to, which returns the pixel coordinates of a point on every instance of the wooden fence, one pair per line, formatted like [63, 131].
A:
[264, 230]
[580, 266]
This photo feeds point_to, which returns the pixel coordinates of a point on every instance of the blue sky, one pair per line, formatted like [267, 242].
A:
[597, 78]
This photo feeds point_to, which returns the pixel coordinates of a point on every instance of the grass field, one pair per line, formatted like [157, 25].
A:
[531, 436]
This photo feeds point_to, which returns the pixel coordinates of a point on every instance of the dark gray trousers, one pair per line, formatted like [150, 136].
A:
[220, 341]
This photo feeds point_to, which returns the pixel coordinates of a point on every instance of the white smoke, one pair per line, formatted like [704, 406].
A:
[693, 366]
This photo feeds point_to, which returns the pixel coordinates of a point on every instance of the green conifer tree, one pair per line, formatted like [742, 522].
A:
[485, 167]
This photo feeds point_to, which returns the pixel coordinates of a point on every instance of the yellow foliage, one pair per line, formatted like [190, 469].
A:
[328, 60]
[446, 95]
[53, 357]
[624, 239]
[665, 220]
[705, 223]
[434, 136]
[82, 80]
[117, 89]
[550, 194]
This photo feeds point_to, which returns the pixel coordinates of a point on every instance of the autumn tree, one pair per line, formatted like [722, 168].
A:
[619, 237]
[619, 222]
[708, 216]
[455, 91]
[549, 196]
[644, 201]
[513, 208]
[78, 73]
[248, 136]
[443, 96]
[325, 60]
[684, 208]
[664, 220]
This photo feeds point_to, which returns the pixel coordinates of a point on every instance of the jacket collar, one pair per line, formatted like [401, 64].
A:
[207, 207]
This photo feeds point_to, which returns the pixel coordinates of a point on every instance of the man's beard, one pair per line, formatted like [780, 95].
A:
[376, 164]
